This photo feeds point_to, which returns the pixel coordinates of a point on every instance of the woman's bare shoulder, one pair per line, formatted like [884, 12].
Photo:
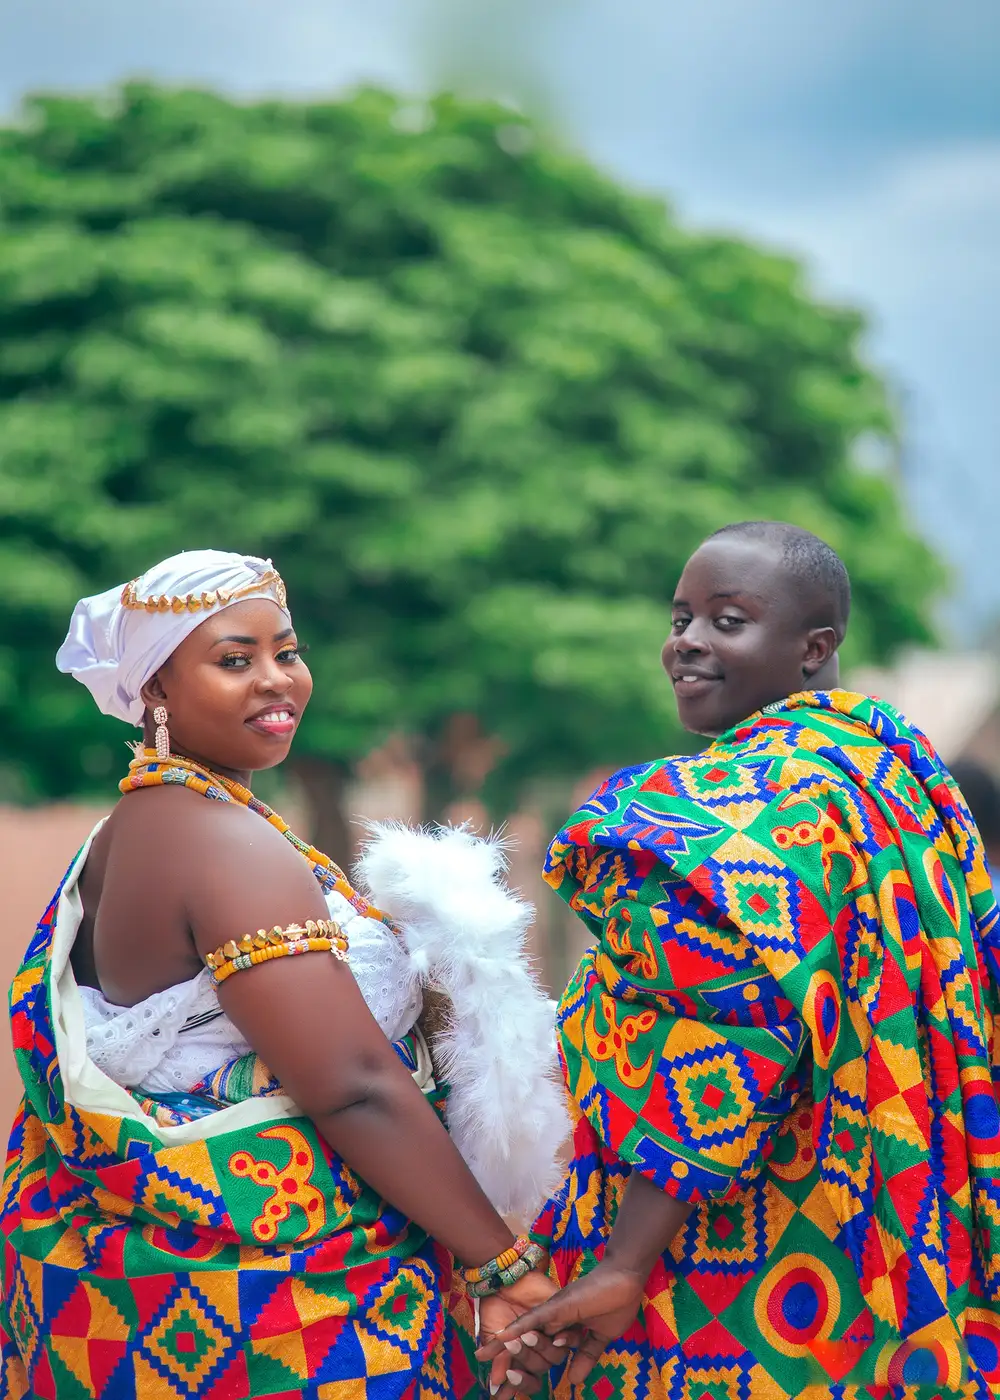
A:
[184, 840]
[204, 870]
[214, 853]
[182, 814]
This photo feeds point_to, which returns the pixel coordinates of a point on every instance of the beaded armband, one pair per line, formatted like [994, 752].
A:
[523, 1256]
[314, 936]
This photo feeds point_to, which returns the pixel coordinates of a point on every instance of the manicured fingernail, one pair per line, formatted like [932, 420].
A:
[530, 1339]
[513, 1347]
[559, 1342]
[515, 1377]
[494, 1389]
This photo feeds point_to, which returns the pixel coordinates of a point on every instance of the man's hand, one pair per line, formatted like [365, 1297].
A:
[604, 1302]
[519, 1362]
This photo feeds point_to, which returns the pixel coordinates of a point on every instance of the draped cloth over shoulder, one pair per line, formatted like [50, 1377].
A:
[152, 1249]
[789, 1018]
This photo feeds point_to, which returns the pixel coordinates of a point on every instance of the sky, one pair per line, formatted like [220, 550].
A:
[863, 137]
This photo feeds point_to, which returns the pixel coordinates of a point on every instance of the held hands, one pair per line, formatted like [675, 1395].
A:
[586, 1315]
[521, 1361]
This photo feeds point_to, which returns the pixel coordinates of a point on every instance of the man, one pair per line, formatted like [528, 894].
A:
[787, 1150]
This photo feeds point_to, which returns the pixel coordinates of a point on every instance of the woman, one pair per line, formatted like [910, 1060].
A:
[224, 1180]
[786, 1171]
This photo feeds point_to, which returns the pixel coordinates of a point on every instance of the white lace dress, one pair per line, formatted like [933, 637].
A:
[170, 1041]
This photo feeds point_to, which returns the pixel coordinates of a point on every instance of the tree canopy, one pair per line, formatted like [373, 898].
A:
[476, 400]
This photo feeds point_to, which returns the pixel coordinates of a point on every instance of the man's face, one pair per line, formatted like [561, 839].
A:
[738, 641]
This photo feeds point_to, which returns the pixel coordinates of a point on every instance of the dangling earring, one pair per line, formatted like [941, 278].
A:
[162, 736]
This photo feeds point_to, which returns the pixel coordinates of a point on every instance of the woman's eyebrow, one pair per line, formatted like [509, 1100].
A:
[253, 641]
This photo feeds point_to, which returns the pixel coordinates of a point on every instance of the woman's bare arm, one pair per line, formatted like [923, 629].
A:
[307, 1019]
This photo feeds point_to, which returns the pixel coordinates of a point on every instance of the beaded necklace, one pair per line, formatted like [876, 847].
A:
[146, 770]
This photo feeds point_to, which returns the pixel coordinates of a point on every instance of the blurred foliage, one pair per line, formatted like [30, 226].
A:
[477, 401]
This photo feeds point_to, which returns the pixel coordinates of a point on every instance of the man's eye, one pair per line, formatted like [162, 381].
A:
[729, 622]
[679, 623]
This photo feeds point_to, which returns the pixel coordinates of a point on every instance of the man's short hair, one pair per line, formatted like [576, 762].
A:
[811, 563]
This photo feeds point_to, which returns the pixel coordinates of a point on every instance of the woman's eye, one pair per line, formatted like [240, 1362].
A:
[235, 659]
[290, 654]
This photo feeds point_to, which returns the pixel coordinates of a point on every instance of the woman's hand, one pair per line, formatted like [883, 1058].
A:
[520, 1362]
[605, 1302]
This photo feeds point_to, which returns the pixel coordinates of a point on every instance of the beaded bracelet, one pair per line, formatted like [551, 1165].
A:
[493, 1266]
[314, 936]
[532, 1257]
[506, 1269]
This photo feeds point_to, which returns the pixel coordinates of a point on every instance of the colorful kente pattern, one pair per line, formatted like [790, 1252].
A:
[245, 1263]
[247, 1077]
[789, 1018]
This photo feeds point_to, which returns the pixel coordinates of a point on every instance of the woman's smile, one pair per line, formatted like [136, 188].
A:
[278, 720]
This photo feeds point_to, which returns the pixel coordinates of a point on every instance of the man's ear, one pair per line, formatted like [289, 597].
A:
[828, 676]
[821, 643]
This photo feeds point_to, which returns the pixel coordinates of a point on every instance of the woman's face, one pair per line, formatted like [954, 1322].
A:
[737, 640]
[235, 688]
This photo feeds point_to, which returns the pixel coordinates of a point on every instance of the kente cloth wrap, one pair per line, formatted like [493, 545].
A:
[208, 1245]
[789, 1018]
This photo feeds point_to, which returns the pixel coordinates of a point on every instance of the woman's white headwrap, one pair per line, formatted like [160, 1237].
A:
[117, 640]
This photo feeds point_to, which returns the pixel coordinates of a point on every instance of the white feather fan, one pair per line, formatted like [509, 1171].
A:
[465, 933]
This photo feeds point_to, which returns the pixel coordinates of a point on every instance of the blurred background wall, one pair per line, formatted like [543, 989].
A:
[477, 317]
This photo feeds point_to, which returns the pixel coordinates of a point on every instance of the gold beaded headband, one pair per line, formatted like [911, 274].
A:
[196, 602]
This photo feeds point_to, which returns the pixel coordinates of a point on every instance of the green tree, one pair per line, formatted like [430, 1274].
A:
[477, 401]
